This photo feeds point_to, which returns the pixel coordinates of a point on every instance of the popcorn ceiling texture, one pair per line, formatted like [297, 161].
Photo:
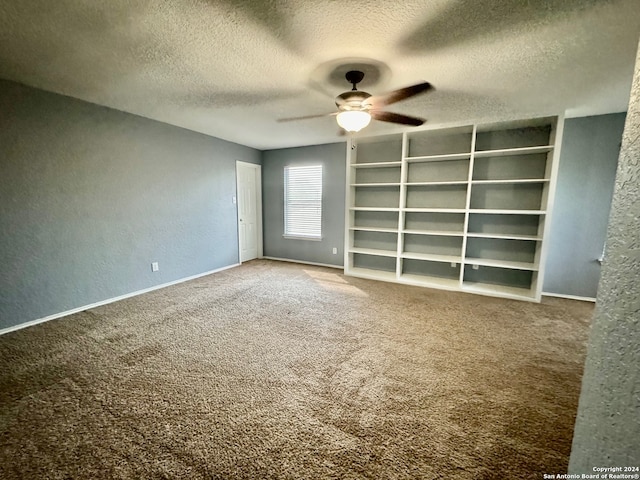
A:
[230, 68]
[607, 428]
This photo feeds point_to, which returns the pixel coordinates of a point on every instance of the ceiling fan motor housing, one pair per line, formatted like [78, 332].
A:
[352, 100]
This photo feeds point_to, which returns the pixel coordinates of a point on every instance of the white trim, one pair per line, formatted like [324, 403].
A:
[348, 203]
[339, 267]
[557, 132]
[569, 297]
[258, 172]
[110, 300]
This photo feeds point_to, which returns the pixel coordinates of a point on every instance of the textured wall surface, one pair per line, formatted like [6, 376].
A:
[90, 196]
[607, 429]
[333, 158]
[586, 175]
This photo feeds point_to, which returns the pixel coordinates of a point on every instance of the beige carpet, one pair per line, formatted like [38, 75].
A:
[277, 370]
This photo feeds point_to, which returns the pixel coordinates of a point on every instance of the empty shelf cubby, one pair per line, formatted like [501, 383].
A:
[376, 240]
[367, 219]
[374, 262]
[439, 142]
[505, 225]
[498, 277]
[383, 196]
[425, 270]
[510, 167]
[433, 244]
[498, 137]
[517, 196]
[377, 175]
[502, 251]
[434, 222]
[449, 171]
[385, 150]
[436, 196]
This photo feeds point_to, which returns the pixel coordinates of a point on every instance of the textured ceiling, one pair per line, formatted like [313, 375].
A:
[230, 68]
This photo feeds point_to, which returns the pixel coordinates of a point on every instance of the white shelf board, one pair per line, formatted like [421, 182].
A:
[373, 251]
[497, 211]
[505, 152]
[372, 274]
[374, 209]
[505, 236]
[439, 158]
[435, 210]
[376, 165]
[503, 291]
[488, 262]
[381, 184]
[432, 257]
[440, 233]
[375, 229]
[451, 182]
[518, 180]
[430, 281]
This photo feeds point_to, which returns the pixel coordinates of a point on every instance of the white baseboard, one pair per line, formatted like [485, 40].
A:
[110, 300]
[304, 263]
[569, 297]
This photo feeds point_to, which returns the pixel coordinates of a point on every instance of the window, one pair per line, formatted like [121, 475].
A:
[303, 202]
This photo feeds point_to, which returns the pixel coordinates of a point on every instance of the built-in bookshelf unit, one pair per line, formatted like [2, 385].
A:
[463, 208]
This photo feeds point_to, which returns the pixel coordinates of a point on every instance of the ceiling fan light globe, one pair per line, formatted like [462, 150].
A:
[353, 120]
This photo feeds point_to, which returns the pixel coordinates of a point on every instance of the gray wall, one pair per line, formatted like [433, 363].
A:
[607, 428]
[333, 158]
[90, 196]
[589, 155]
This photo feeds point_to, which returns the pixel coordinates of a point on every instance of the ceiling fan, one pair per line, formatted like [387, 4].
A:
[356, 108]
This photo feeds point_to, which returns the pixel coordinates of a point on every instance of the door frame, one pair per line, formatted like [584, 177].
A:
[257, 171]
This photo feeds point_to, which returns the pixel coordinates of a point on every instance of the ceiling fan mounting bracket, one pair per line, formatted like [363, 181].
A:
[354, 77]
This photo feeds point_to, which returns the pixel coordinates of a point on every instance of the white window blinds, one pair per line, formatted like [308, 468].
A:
[303, 201]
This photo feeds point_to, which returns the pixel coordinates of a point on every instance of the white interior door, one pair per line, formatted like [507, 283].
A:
[249, 210]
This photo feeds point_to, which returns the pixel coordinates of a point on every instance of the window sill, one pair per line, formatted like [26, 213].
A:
[295, 237]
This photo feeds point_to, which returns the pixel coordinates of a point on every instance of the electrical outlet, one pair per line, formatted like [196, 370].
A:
[233, 200]
[335, 251]
[453, 264]
[475, 267]
[155, 267]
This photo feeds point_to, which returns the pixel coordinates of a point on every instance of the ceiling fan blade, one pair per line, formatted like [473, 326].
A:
[396, 118]
[306, 117]
[385, 99]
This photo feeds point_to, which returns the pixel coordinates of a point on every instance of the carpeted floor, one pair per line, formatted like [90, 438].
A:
[276, 370]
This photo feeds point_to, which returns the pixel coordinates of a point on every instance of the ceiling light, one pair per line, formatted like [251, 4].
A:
[353, 120]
